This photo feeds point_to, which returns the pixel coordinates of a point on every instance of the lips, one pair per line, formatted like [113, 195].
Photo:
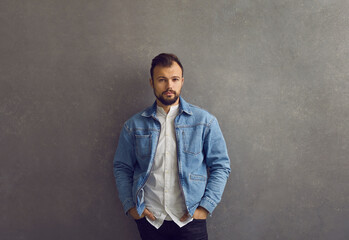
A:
[168, 93]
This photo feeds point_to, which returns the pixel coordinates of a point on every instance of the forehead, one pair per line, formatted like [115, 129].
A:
[173, 70]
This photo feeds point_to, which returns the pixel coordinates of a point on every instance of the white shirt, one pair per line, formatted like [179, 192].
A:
[162, 191]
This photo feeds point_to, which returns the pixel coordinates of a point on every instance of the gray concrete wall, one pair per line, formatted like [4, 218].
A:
[275, 73]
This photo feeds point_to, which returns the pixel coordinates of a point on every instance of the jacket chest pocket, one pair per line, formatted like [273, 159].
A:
[192, 142]
[143, 145]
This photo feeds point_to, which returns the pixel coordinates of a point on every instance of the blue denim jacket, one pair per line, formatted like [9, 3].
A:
[203, 162]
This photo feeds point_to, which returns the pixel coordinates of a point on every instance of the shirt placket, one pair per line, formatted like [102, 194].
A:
[167, 161]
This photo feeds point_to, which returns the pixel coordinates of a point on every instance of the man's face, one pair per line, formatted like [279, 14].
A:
[167, 83]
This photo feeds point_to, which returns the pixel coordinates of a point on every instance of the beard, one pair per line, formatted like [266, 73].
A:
[167, 101]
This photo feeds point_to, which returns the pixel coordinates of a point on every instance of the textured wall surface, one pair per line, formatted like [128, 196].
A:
[274, 72]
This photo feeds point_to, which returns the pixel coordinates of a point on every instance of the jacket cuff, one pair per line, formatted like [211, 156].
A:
[208, 204]
[127, 205]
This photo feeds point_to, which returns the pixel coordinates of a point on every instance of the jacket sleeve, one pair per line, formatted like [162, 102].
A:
[218, 164]
[123, 166]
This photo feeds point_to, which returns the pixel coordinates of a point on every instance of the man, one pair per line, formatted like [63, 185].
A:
[171, 164]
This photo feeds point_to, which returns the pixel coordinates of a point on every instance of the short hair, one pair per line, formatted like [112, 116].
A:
[165, 60]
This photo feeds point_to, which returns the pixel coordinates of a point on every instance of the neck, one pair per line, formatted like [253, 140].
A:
[166, 107]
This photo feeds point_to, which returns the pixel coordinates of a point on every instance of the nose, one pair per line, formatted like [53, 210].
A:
[169, 84]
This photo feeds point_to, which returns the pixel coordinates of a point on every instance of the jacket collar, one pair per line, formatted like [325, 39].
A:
[183, 107]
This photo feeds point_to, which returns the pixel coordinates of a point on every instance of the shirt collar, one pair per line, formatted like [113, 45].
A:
[173, 111]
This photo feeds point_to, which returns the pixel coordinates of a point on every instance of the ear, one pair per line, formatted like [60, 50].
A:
[182, 81]
[151, 82]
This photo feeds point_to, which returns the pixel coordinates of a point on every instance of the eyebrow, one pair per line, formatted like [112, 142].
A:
[166, 77]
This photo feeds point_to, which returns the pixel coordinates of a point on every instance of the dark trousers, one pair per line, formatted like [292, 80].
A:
[169, 230]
